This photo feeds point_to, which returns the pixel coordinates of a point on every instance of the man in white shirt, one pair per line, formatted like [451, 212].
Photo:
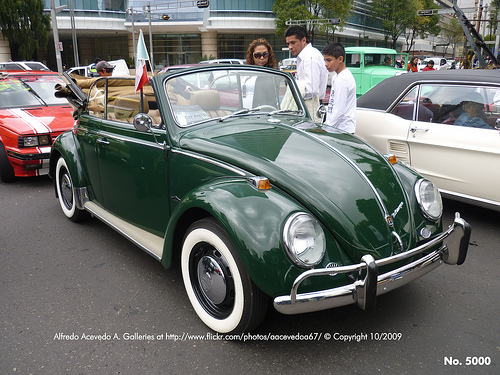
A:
[310, 67]
[341, 112]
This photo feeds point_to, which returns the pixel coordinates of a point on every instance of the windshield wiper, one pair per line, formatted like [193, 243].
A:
[30, 89]
[240, 112]
[297, 111]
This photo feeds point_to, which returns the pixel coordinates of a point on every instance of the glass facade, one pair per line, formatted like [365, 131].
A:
[186, 48]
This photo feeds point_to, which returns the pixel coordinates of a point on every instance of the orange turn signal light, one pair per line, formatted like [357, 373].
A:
[392, 158]
[261, 183]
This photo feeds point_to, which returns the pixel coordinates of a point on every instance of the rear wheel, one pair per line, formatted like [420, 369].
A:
[217, 284]
[66, 192]
[6, 170]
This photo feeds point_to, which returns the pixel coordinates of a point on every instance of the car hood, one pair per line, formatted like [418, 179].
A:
[347, 185]
[37, 120]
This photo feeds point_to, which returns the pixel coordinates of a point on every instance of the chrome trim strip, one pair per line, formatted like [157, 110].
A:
[194, 155]
[470, 199]
[354, 166]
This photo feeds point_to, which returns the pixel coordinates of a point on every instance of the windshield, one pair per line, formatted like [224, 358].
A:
[18, 92]
[204, 95]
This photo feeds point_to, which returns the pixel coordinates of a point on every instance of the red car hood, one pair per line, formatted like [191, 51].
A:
[37, 120]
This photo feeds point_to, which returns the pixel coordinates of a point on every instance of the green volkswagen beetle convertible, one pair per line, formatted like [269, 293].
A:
[221, 171]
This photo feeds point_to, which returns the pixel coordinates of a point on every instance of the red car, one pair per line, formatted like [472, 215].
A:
[31, 118]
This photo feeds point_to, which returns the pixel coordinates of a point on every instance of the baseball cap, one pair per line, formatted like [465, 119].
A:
[104, 65]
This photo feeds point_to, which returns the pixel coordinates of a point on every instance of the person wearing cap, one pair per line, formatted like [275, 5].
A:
[473, 115]
[104, 69]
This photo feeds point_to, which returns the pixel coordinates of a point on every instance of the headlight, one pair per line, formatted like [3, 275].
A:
[33, 141]
[429, 199]
[304, 240]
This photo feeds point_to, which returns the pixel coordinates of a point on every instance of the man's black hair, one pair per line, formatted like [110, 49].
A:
[334, 49]
[298, 31]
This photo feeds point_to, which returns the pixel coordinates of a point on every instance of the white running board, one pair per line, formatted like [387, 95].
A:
[150, 243]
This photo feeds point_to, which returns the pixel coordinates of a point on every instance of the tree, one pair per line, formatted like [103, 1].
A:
[25, 26]
[396, 16]
[423, 26]
[311, 10]
[453, 33]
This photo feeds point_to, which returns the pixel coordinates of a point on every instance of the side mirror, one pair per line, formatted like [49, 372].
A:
[143, 122]
[321, 113]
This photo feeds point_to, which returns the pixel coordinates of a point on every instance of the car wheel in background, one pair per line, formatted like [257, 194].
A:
[217, 284]
[6, 170]
[66, 193]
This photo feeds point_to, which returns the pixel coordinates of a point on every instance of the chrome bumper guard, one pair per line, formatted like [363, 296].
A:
[364, 292]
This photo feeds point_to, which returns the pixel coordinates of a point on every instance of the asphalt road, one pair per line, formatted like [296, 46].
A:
[81, 299]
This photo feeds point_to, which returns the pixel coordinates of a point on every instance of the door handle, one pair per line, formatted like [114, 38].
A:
[414, 129]
[102, 141]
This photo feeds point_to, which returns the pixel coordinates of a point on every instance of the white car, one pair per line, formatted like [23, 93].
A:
[440, 63]
[223, 61]
[444, 124]
[120, 70]
[23, 65]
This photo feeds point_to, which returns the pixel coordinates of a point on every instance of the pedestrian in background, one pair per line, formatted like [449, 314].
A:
[412, 65]
[429, 66]
[341, 110]
[311, 71]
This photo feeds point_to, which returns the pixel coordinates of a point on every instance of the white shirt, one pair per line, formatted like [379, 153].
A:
[311, 69]
[341, 112]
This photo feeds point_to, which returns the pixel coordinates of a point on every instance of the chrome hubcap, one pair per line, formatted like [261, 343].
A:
[211, 279]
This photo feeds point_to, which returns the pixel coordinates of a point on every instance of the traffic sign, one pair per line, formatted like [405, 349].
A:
[203, 3]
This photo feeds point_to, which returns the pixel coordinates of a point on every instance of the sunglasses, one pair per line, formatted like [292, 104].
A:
[259, 55]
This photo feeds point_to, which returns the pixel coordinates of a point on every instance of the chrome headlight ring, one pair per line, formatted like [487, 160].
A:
[304, 240]
[429, 199]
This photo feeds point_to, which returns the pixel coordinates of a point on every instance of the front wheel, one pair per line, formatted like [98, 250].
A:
[217, 284]
[66, 192]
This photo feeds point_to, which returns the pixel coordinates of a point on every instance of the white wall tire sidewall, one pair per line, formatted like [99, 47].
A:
[232, 321]
[61, 163]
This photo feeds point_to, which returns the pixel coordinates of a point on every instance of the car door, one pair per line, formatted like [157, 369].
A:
[461, 160]
[133, 165]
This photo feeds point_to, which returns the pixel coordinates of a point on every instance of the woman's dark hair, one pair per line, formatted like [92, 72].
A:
[271, 62]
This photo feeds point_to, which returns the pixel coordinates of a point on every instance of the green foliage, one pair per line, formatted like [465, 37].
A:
[25, 26]
[205, 58]
[310, 10]
[396, 16]
[423, 26]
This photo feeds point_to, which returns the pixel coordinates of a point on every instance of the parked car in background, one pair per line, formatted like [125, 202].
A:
[121, 69]
[31, 118]
[288, 62]
[371, 65]
[444, 124]
[440, 63]
[292, 69]
[223, 61]
[252, 198]
[23, 65]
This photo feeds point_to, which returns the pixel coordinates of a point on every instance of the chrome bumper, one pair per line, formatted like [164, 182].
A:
[364, 292]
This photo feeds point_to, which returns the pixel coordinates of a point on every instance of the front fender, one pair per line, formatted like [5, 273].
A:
[65, 146]
[254, 221]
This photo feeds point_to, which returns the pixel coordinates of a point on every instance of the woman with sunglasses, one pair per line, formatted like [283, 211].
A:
[256, 91]
[261, 53]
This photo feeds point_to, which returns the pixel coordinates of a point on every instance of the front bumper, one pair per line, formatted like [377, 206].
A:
[364, 292]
